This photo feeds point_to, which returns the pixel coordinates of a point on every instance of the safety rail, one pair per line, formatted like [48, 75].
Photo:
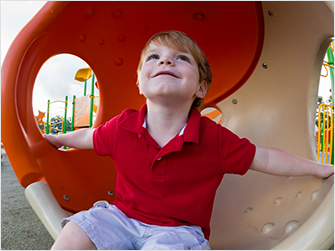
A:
[50, 126]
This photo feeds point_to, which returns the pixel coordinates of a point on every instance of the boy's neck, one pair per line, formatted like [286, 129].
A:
[164, 123]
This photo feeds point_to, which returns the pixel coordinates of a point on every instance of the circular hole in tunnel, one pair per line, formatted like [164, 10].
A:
[212, 113]
[324, 119]
[57, 79]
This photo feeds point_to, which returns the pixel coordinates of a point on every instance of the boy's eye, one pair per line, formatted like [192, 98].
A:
[183, 58]
[152, 56]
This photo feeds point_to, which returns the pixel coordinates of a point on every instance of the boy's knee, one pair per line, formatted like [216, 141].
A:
[73, 237]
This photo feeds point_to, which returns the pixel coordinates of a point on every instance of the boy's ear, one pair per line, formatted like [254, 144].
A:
[202, 90]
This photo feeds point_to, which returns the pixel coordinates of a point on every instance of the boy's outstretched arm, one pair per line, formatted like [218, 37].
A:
[278, 162]
[81, 139]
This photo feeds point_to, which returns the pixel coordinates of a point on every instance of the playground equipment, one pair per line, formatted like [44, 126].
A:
[266, 58]
[58, 125]
[330, 64]
[83, 107]
[213, 114]
[325, 135]
[39, 120]
[83, 75]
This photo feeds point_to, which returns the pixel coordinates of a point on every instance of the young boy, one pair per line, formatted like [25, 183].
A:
[170, 160]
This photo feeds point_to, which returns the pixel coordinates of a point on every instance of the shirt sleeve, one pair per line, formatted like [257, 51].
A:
[104, 138]
[236, 154]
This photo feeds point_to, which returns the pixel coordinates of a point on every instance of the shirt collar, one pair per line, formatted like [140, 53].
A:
[136, 120]
[180, 133]
[192, 129]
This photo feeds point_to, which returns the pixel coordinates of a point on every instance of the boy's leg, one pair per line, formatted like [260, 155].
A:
[176, 238]
[73, 237]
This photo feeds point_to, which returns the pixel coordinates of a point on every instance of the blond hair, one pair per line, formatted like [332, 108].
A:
[184, 43]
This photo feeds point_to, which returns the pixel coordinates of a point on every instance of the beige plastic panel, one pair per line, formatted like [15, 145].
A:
[46, 207]
[276, 108]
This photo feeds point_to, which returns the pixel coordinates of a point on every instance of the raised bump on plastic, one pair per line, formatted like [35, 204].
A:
[249, 210]
[314, 194]
[267, 227]
[89, 11]
[82, 38]
[278, 201]
[290, 226]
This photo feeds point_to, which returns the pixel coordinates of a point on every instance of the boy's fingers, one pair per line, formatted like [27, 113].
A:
[49, 138]
[326, 172]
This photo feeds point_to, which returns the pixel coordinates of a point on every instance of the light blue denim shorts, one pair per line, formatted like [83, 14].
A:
[109, 228]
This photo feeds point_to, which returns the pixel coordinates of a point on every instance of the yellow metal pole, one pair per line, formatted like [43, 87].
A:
[323, 138]
[327, 135]
[319, 133]
[331, 135]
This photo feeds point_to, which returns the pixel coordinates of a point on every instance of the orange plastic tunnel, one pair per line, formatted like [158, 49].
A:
[266, 59]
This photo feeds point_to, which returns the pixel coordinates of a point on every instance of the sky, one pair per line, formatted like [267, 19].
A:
[56, 77]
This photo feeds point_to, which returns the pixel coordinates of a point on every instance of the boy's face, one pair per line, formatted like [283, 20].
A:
[168, 74]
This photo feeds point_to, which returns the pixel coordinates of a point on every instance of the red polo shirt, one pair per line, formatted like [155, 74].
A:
[176, 184]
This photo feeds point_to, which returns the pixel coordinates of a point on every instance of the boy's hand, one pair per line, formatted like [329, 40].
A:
[80, 139]
[325, 171]
[52, 139]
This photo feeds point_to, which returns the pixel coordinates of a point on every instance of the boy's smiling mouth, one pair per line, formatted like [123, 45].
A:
[165, 73]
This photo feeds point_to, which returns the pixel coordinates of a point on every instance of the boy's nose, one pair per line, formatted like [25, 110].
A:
[166, 61]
